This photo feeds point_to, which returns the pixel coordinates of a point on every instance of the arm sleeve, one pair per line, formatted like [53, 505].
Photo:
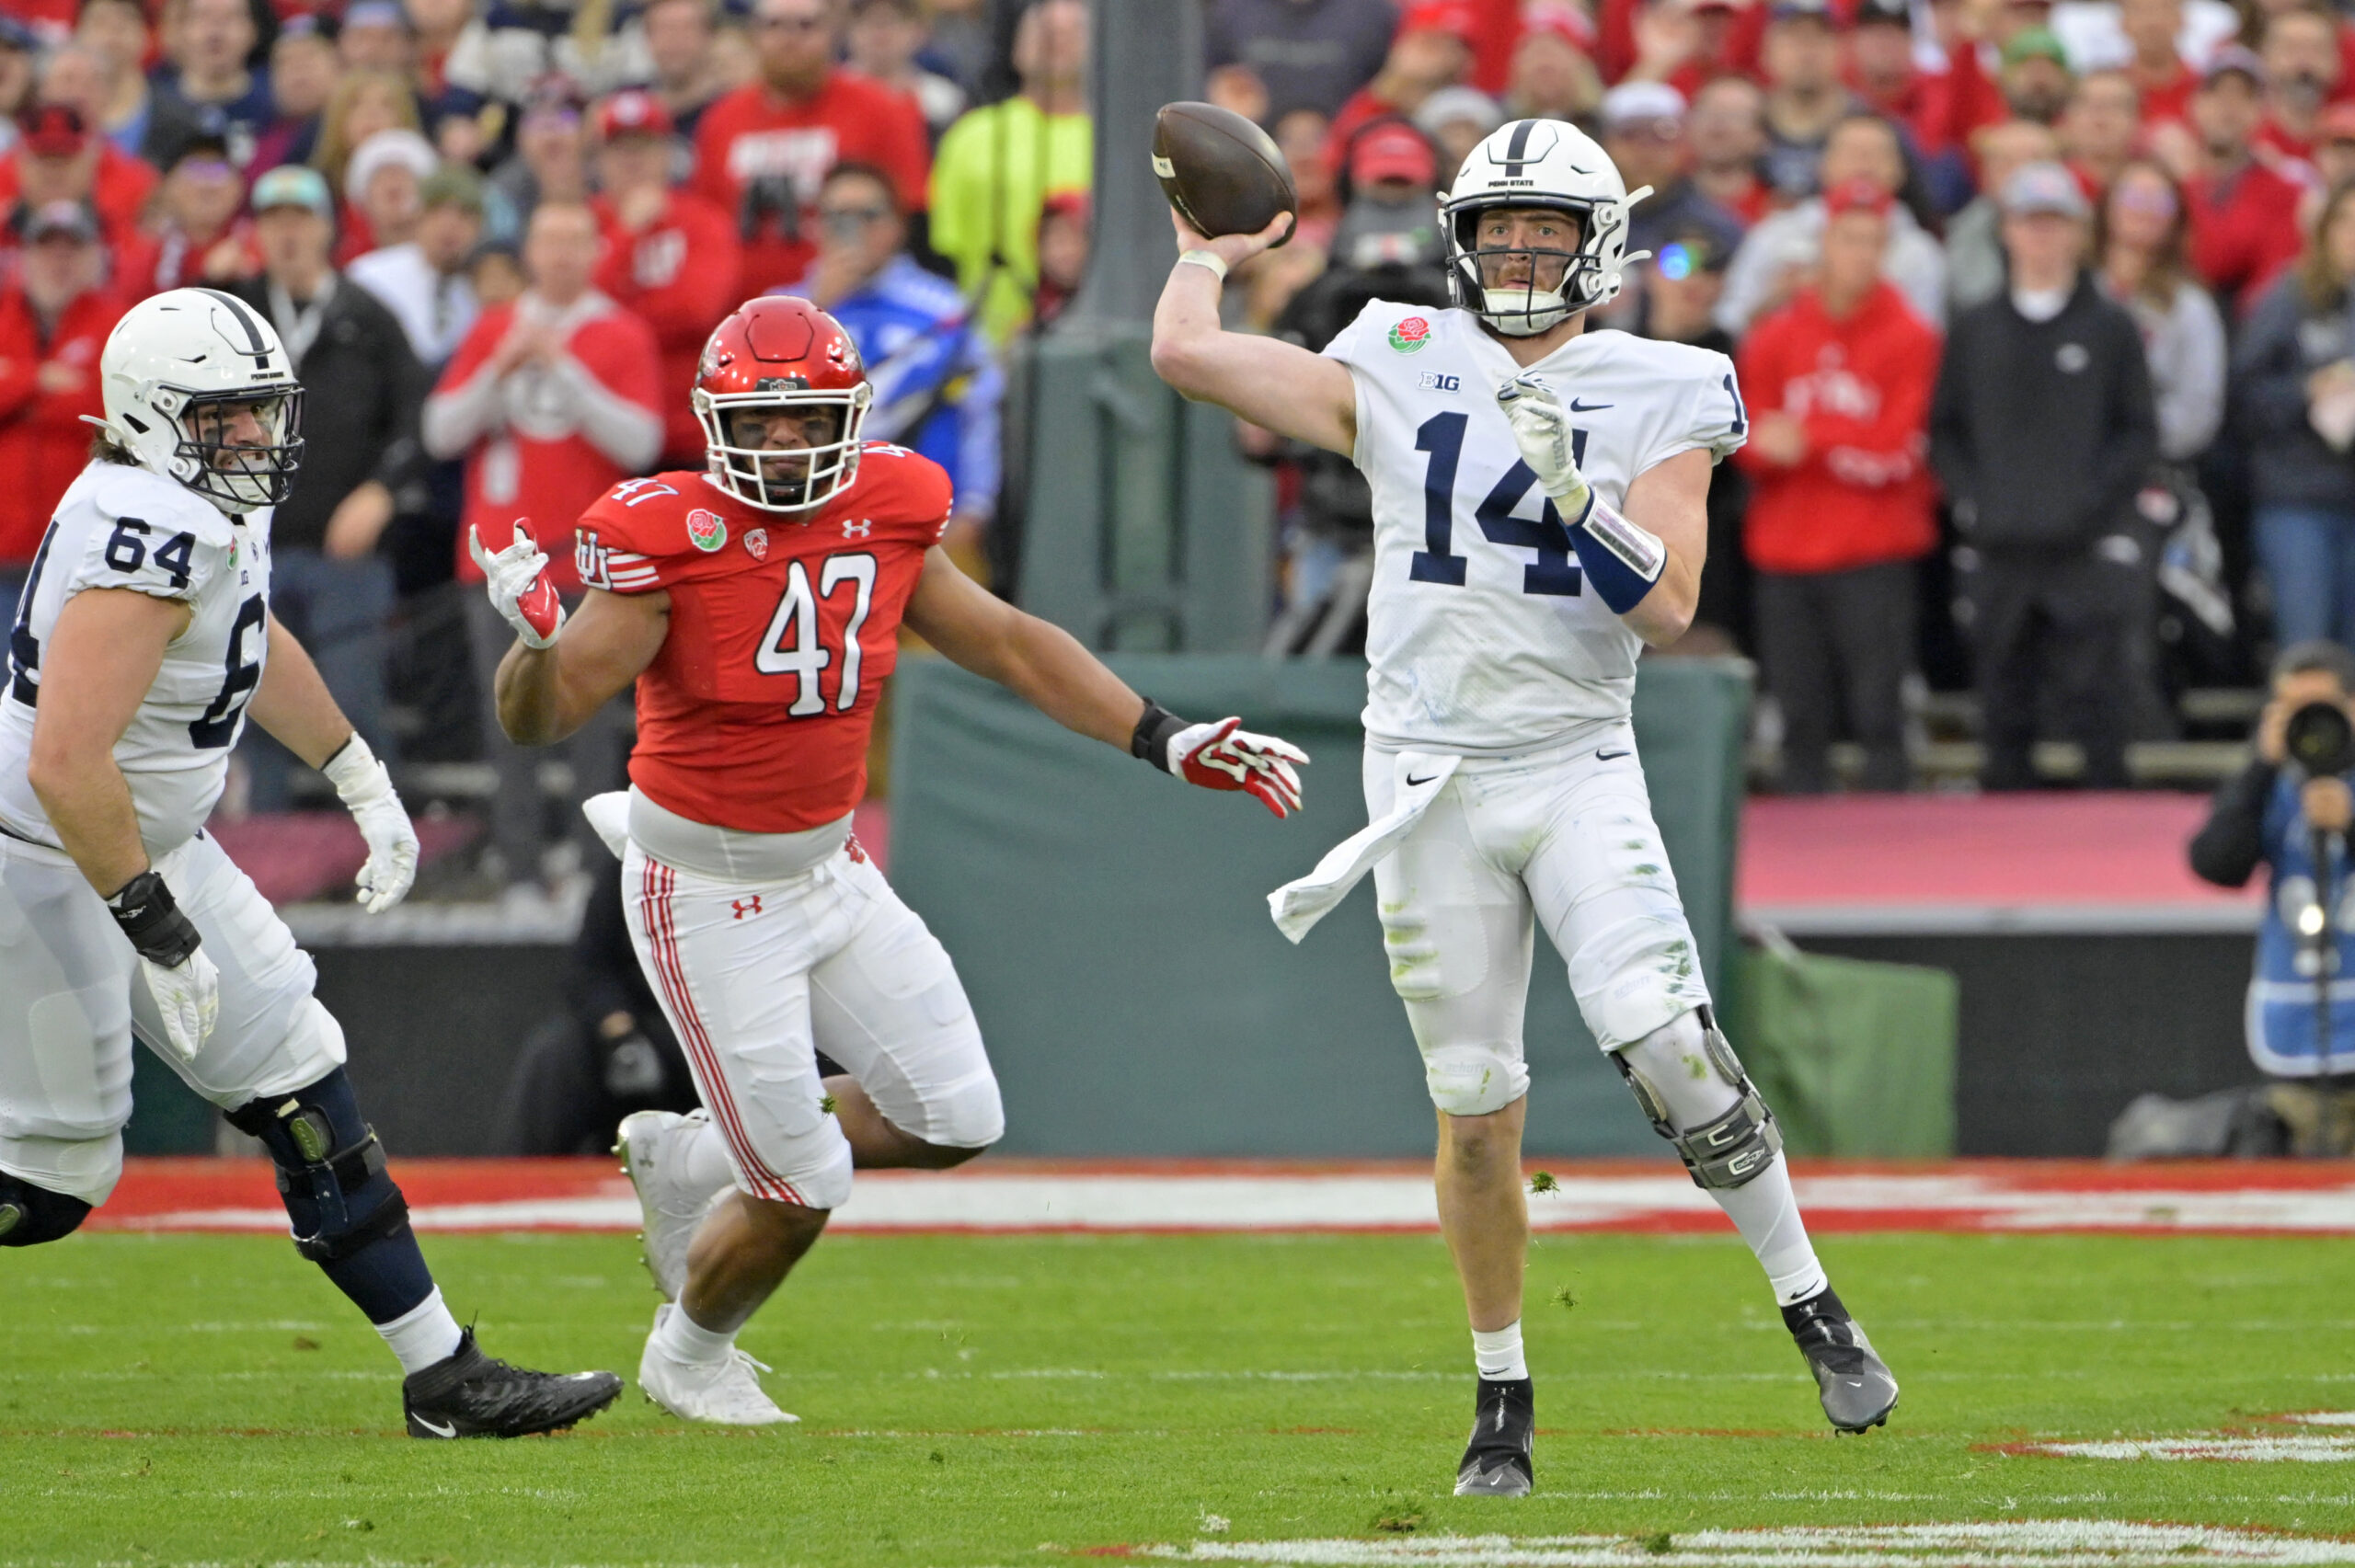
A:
[1950, 424]
[1713, 416]
[610, 363]
[903, 151]
[2123, 463]
[2231, 843]
[1747, 276]
[2193, 408]
[464, 404]
[1886, 448]
[165, 557]
[1759, 365]
[622, 548]
[400, 465]
[2269, 375]
[18, 383]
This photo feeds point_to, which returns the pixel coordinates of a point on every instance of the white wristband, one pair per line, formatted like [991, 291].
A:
[354, 770]
[1208, 259]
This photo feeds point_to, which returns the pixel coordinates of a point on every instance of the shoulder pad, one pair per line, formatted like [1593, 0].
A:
[119, 489]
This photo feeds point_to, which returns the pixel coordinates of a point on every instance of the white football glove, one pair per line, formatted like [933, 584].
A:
[189, 996]
[517, 580]
[367, 793]
[1541, 428]
[181, 979]
[1223, 755]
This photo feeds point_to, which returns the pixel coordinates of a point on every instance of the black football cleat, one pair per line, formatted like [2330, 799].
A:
[475, 1395]
[1504, 1428]
[1857, 1387]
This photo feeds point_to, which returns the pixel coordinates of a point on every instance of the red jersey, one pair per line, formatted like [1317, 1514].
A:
[120, 186]
[1861, 386]
[678, 274]
[759, 159]
[2244, 230]
[756, 713]
[43, 444]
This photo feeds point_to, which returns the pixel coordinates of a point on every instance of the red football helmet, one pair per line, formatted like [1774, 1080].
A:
[780, 352]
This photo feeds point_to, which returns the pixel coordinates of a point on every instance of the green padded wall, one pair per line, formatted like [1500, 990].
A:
[1112, 930]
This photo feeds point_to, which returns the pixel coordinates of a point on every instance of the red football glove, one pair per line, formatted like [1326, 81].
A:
[520, 589]
[1225, 756]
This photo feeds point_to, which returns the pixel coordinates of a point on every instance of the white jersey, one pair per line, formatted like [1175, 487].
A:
[1481, 636]
[119, 526]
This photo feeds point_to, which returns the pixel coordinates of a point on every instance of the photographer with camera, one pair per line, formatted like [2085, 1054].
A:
[2290, 809]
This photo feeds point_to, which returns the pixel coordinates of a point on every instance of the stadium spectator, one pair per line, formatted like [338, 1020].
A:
[2302, 67]
[2042, 431]
[1552, 74]
[379, 191]
[1643, 130]
[998, 166]
[17, 48]
[1884, 74]
[1457, 120]
[2243, 211]
[56, 159]
[424, 282]
[1975, 258]
[304, 69]
[199, 238]
[2099, 129]
[960, 41]
[1236, 90]
[551, 400]
[1775, 253]
[670, 258]
[1686, 43]
[362, 390]
[375, 36]
[209, 44]
[54, 316]
[1300, 136]
[363, 103]
[1679, 305]
[1727, 131]
[2141, 264]
[495, 272]
[137, 119]
[1805, 97]
[679, 42]
[510, 45]
[461, 122]
[551, 161]
[882, 42]
[761, 150]
[1433, 49]
[936, 384]
[1062, 254]
[1838, 386]
[2163, 82]
[1306, 53]
[2333, 160]
[2035, 81]
[2293, 374]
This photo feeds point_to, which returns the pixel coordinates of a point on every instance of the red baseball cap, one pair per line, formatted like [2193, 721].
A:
[1453, 16]
[1392, 150]
[1560, 18]
[634, 111]
[1856, 195]
[53, 130]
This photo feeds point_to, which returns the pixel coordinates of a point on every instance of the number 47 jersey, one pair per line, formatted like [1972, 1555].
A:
[755, 714]
[1482, 634]
[120, 527]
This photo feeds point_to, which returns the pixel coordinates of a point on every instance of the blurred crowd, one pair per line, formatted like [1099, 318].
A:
[2041, 309]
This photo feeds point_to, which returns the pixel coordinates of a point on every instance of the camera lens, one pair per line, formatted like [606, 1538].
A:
[2320, 738]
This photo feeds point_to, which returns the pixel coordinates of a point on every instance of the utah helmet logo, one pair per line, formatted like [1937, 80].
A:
[706, 531]
[1411, 335]
[756, 543]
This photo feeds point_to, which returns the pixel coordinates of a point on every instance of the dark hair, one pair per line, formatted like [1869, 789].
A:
[2323, 288]
[2170, 264]
[851, 169]
[2316, 653]
[104, 448]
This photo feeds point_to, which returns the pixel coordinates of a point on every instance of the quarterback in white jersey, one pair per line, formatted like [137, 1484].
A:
[142, 642]
[1539, 495]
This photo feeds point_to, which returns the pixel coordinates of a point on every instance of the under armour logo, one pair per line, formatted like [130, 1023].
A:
[743, 906]
[858, 529]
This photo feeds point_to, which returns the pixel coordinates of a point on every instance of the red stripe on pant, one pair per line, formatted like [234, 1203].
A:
[664, 934]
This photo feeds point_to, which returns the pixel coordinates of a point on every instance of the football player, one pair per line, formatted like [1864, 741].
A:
[757, 608]
[1538, 503]
[143, 644]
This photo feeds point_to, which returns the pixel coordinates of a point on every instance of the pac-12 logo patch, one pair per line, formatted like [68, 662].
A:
[756, 543]
[1411, 335]
[706, 529]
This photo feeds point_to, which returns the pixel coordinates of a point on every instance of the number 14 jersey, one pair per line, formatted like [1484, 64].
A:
[119, 527]
[755, 715]
[1482, 635]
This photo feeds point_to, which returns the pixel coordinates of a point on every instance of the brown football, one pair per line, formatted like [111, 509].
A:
[1221, 173]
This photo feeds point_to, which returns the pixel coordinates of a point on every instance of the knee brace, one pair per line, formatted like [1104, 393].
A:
[1726, 1150]
[32, 1215]
[331, 1172]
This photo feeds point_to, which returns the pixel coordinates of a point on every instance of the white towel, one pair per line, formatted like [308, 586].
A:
[1298, 905]
[609, 814]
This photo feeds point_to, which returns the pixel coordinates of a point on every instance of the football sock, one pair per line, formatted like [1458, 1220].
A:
[422, 1336]
[706, 1160]
[1498, 1353]
[681, 1338]
[1767, 1214]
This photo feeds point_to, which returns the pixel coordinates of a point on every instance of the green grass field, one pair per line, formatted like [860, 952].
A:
[1001, 1401]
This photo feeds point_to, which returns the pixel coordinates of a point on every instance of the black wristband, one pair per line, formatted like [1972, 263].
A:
[144, 908]
[1151, 740]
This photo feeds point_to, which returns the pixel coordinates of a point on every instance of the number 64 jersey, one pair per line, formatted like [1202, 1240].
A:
[755, 714]
[1481, 633]
[120, 527]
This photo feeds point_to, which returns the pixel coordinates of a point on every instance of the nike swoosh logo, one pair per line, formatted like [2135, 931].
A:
[1608, 756]
[449, 1430]
[1579, 408]
[1412, 780]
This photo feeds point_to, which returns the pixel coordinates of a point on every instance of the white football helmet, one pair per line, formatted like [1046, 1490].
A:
[169, 368]
[1538, 163]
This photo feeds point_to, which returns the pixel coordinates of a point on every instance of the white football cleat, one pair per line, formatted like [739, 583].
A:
[727, 1392]
[651, 1144]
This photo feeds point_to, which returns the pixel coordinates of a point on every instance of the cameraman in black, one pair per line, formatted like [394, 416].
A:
[2290, 809]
